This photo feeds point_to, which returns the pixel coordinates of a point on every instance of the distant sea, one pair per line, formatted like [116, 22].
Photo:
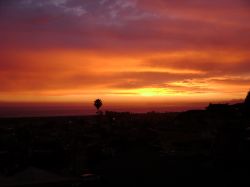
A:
[27, 110]
[80, 109]
[33, 110]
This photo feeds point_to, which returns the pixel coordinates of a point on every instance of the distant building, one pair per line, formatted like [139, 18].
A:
[225, 110]
[217, 107]
[32, 176]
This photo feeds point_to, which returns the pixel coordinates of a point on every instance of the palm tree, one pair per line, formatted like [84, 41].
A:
[98, 104]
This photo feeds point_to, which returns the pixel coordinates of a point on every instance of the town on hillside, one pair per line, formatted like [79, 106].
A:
[209, 146]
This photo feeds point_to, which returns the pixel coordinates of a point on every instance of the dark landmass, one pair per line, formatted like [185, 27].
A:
[199, 147]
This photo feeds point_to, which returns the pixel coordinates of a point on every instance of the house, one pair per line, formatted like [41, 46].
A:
[32, 176]
[217, 107]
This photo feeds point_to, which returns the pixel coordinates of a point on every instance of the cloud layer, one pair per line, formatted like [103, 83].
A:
[69, 50]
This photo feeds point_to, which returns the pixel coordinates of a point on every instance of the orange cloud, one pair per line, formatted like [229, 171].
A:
[171, 51]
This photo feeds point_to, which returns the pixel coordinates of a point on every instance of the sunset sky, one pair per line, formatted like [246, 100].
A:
[126, 52]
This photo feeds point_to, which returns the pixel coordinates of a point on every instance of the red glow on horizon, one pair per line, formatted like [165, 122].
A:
[124, 52]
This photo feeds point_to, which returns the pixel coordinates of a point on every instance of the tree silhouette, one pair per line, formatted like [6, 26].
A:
[98, 103]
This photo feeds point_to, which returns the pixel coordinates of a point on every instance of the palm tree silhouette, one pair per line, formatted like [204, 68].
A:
[98, 104]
